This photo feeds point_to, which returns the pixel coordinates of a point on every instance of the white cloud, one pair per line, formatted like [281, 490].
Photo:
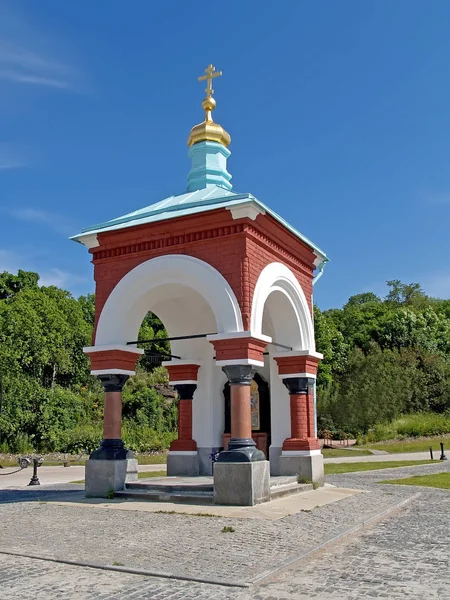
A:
[56, 222]
[438, 198]
[12, 261]
[59, 278]
[10, 157]
[27, 56]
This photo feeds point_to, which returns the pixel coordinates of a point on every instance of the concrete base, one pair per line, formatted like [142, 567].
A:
[204, 459]
[274, 457]
[102, 477]
[241, 484]
[308, 468]
[183, 465]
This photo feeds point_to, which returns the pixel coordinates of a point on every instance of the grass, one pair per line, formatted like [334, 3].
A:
[416, 425]
[146, 474]
[396, 446]
[438, 480]
[144, 459]
[228, 529]
[174, 512]
[334, 452]
[333, 469]
[152, 459]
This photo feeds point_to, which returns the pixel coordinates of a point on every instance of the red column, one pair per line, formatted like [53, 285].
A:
[183, 376]
[112, 416]
[299, 416]
[112, 446]
[184, 441]
[302, 415]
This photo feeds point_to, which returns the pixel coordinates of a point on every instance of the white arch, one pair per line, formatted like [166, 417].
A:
[132, 297]
[277, 277]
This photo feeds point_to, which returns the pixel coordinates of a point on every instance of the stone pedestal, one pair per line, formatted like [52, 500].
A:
[183, 464]
[306, 467]
[241, 484]
[102, 477]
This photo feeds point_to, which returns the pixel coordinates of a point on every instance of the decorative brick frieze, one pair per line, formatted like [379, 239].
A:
[120, 360]
[182, 372]
[239, 348]
[297, 363]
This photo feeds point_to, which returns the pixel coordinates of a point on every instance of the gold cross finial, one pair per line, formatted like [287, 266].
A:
[210, 74]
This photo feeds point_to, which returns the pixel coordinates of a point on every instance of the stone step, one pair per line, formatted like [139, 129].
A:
[170, 487]
[161, 496]
[290, 489]
[277, 480]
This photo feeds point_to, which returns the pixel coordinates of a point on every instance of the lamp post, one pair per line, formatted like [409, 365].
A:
[37, 462]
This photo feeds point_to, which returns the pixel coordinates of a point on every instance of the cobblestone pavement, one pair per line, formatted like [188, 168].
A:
[22, 578]
[404, 556]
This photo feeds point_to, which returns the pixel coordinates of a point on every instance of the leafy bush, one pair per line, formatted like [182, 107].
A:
[141, 438]
[82, 439]
[422, 424]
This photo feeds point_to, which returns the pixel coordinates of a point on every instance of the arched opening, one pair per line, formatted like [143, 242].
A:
[176, 283]
[280, 310]
[191, 298]
[260, 405]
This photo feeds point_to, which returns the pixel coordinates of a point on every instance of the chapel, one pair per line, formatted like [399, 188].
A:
[233, 283]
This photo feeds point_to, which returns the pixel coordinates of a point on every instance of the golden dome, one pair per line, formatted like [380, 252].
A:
[208, 130]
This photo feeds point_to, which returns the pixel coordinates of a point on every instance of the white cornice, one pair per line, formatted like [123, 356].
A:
[89, 240]
[246, 210]
[108, 348]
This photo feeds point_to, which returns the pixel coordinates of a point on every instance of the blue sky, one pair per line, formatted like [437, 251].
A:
[338, 111]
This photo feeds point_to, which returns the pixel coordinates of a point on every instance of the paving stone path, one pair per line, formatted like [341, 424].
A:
[404, 556]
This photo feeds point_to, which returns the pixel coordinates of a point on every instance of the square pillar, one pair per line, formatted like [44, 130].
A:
[111, 466]
[183, 458]
[300, 454]
[241, 473]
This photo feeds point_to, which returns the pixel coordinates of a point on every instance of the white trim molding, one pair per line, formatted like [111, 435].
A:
[308, 375]
[239, 335]
[240, 361]
[183, 452]
[301, 452]
[312, 353]
[113, 372]
[175, 362]
[183, 382]
[108, 347]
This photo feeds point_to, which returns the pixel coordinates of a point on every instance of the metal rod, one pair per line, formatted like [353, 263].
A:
[281, 346]
[172, 339]
[442, 457]
[165, 355]
[192, 337]
[431, 453]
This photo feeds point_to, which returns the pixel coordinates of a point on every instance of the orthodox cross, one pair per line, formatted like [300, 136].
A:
[210, 74]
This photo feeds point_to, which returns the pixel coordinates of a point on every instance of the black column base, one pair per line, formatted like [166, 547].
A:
[111, 450]
[241, 450]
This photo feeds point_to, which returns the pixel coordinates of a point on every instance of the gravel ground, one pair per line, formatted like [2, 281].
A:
[404, 556]
[181, 544]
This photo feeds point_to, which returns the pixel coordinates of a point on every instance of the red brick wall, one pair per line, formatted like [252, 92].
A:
[238, 249]
[183, 372]
[113, 359]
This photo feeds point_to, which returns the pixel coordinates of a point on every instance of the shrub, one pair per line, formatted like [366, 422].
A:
[82, 439]
[141, 438]
[422, 424]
